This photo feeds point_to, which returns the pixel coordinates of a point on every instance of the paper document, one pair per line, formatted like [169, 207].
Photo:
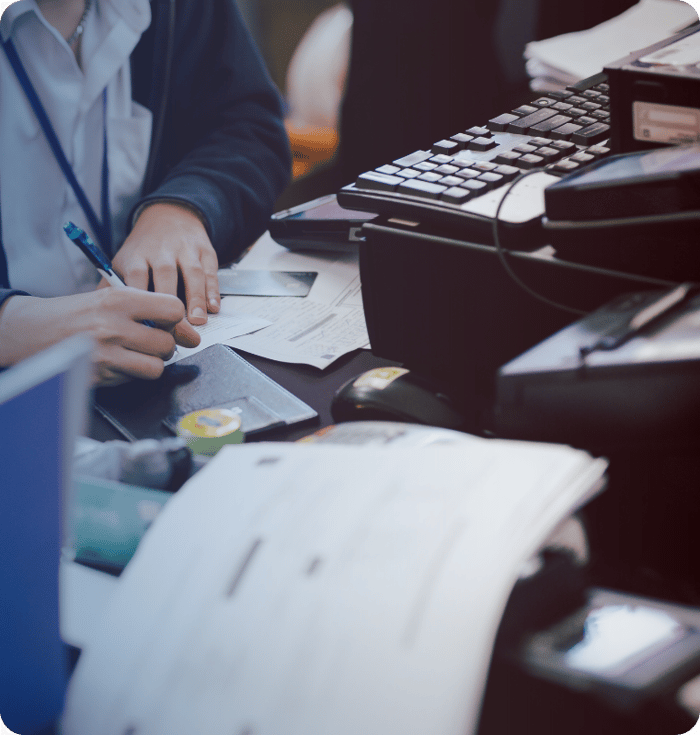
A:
[315, 330]
[556, 62]
[220, 328]
[301, 589]
[302, 330]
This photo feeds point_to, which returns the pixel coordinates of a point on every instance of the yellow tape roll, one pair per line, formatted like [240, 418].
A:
[209, 429]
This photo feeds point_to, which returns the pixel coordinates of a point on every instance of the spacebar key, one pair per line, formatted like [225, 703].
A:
[421, 188]
[375, 180]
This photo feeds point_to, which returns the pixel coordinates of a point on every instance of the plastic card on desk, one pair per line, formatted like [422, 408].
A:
[216, 377]
[108, 519]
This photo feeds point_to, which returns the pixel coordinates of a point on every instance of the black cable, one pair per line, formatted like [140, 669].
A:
[501, 252]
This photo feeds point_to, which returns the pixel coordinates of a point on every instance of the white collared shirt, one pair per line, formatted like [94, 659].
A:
[35, 197]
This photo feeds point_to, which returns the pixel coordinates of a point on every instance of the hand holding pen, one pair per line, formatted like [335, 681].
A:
[97, 258]
[136, 330]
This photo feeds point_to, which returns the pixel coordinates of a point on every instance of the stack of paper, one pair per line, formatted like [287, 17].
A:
[293, 589]
[313, 330]
[562, 60]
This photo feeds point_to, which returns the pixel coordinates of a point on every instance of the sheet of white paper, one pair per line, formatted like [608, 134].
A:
[220, 328]
[338, 281]
[302, 331]
[294, 589]
[84, 596]
[581, 54]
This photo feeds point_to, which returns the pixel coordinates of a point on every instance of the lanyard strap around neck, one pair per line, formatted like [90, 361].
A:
[102, 230]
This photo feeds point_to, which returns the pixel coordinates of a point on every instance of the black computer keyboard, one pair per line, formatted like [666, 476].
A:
[459, 182]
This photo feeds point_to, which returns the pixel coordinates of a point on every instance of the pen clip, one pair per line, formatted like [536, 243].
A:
[85, 243]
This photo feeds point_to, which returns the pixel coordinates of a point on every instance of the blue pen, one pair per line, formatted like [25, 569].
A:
[97, 258]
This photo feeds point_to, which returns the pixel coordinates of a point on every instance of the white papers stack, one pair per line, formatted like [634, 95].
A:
[293, 589]
[556, 62]
[314, 330]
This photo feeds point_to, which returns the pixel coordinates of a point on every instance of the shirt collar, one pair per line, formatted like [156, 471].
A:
[135, 13]
[13, 13]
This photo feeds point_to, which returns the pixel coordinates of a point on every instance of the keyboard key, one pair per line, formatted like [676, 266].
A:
[507, 172]
[600, 114]
[562, 106]
[468, 173]
[582, 157]
[462, 162]
[375, 180]
[528, 161]
[585, 120]
[482, 144]
[456, 195]
[446, 168]
[590, 106]
[549, 155]
[492, 180]
[553, 122]
[388, 169]
[592, 134]
[441, 158]
[524, 110]
[507, 157]
[425, 166]
[483, 166]
[591, 94]
[603, 87]
[500, 123]
[475, 186]
[538, 141]
[446, 146]
[524, 148]
[577, 100]
[565, 131]
[523, 124]
[412, 158]
[479, 132]
[560, 94]
[453, 180]
[599, 151]
[542, 102]
[576, 112]
[421, 188]
[461, 139]
[564, 167]
[430, 176]
[408, 173]
[563, 145]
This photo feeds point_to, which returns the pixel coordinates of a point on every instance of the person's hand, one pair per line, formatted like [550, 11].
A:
[124, 347]
[167, 240]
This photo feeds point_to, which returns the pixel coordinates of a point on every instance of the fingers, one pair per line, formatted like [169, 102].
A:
[137, 305]
[186, 335]
[135, 271]
[210, 264]
[169, 240]
[195, 282]
[114, 364]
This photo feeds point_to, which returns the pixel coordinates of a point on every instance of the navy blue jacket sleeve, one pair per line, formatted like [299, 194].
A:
[5, 294]
[223, 147]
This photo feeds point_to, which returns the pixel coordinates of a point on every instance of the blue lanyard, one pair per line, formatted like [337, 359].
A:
[103, 229]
